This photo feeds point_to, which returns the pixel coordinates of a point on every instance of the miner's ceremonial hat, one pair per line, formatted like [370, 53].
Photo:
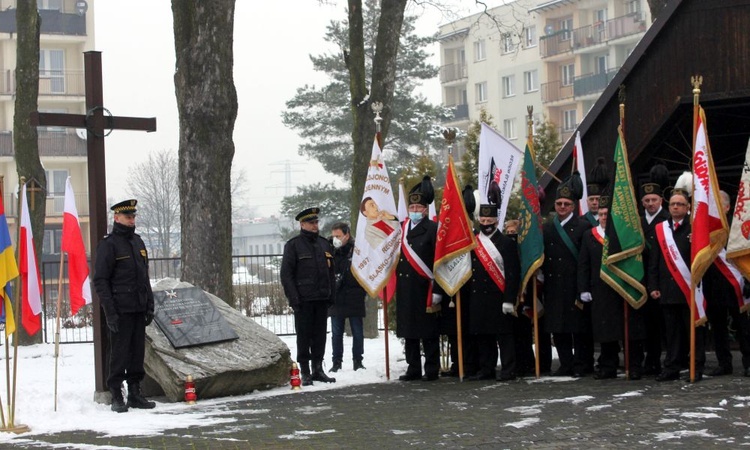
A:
[125, 207]
[423, 193]
[308, 215]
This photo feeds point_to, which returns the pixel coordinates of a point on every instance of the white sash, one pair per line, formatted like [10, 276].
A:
[493, 252]
[412, 256]
[683, 270]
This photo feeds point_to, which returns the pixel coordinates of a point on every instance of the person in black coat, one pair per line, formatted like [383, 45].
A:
[350, 300]
[308, 278]
[607, 309]
[673, 301]
[418, 297]
[122, 284]
[654, 213]
[724, 289]
[566, 317]
[493, 290]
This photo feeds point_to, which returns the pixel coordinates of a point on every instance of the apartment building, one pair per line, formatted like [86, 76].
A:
[67, 30]
[556, 56]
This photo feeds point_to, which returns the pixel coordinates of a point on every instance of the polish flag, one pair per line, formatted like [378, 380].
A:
[72, 243]
[31, 285]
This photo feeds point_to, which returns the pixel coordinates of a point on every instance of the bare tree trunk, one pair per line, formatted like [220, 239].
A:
[25, 142]
[207, 105]
[381, 90]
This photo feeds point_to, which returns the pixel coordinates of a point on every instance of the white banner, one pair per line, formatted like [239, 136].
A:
[378, 238]
[583, 205]
[499, 160]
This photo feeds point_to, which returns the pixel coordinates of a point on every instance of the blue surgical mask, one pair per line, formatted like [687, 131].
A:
[415, 216]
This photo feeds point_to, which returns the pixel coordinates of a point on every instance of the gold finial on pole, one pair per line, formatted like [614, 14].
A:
[377, 108]
[621, 97]
[696, 81]
[449, 134]
[530, 121]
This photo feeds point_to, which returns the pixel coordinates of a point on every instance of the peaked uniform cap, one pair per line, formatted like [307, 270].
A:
[308, 214]
[125, 207]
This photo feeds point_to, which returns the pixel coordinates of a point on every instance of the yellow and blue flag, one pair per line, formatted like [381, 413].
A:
[8, 271]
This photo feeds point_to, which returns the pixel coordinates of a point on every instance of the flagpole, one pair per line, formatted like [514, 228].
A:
[460, 338]
[17, 312]
[696, 81]
[385, 327]
[7, 341]
[530, 134]
[57, 321]
[626, 311]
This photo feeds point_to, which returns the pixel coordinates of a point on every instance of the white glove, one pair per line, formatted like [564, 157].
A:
[436, 299]
[540, 277]
[508, 308]
[586, 297]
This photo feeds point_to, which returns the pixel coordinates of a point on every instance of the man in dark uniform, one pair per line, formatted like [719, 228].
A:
[566, 317]
[122, 284]
[418, 297]
[671, 289]
[724, 288]
[607, 312]
[493, 290]
[350, 300]
[308, 278]
[653, 214]
[595, 185]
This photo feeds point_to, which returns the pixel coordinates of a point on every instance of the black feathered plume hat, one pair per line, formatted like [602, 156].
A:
[494, 196]
[658, 181]
[423, 193]
[571, 188]
[598, 178]
[469, 202]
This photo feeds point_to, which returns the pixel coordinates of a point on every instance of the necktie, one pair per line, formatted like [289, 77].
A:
[676, 225]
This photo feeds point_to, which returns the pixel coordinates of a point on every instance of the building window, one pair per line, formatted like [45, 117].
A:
[481, 92]
[509, 128]
[509, 46]
[509, 88]
[569, 120]
[633, 7]
[52, 240]
[50, 4]
[531, 81]
[600, 64]
[567, 25]
[567, 74]
[479, 52]
[529, 34]
[51, 71]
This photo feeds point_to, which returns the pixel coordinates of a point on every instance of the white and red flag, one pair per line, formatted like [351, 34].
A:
[498, 163]
[709, 226]
[583, 205]
[738, 246]
[72, 243]
[378, 243]
[31, 285]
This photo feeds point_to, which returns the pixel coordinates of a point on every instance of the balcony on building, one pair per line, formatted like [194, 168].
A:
[450, 73]
[52, 83]
[52, 21]
[592, 83]
[460, 114]
[555, 91]
[590, 37]
[51, 143]
[54, 205]
[556, 43]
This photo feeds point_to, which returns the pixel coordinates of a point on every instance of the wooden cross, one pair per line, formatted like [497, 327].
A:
[98, 126]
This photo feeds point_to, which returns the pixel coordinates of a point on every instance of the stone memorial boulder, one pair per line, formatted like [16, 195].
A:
[257, 359]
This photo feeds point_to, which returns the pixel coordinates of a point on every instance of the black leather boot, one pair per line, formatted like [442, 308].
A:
[319, 375]
[136, 399]
[336, 366]
[304, 368]
[118, 403]
[357, 365]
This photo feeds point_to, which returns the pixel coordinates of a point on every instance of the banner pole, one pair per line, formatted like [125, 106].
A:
[696, 81]
[57, 321]
[460, 339]
[385, 326]
[536, 328]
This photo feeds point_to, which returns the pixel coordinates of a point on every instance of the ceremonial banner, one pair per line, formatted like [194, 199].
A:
[738, 247]
[709, 225]
[622, 259]
[72, 243]
[583, 206]
[31, 284]
[8, 271]
[530, 240]
[455, 238]
[378, 242]
[403, 208]
[499, 161]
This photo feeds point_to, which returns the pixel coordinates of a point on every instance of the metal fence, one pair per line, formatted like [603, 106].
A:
[257, 294]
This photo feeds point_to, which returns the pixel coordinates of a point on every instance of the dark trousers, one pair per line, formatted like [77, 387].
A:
[524, 341]
[718, 314]
[127, 349]
[414, 356]
[469, 351]
[507, 344]
[337, 337]
[487, 353]
[609, 357]
[575, 351]
[654, 335]
[311, 321]
[677, 323]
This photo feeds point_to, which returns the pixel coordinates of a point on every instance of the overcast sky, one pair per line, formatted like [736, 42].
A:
[271, 47]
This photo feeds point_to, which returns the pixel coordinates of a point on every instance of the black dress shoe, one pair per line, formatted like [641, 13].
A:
[651, 370]
[453, 372]
[562, 373]
[698, 377]
[506, 377]
[635, 375]
[481, 376]
[721, 370]
[410, 377]
[746, 372]
[577, 375]
[432, 377]
[604, 374]
[668, 376]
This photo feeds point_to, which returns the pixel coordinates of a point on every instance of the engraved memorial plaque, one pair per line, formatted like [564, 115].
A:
[188, 318]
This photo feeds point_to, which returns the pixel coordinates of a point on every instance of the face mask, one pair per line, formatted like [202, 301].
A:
[415, 216]
[487, 229]
[337, 242]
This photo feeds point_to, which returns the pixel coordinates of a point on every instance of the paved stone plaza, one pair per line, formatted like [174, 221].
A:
[550, 413]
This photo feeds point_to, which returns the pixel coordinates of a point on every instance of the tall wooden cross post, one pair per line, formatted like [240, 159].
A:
[98, 126]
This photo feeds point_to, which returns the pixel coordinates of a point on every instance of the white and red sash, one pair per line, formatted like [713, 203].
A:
[733, 276]
[596, 232]
[491, 260]
[677, 266]
[416, 262]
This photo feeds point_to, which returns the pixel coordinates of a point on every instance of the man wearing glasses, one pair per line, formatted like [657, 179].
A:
[308, 278]
[566, 317]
